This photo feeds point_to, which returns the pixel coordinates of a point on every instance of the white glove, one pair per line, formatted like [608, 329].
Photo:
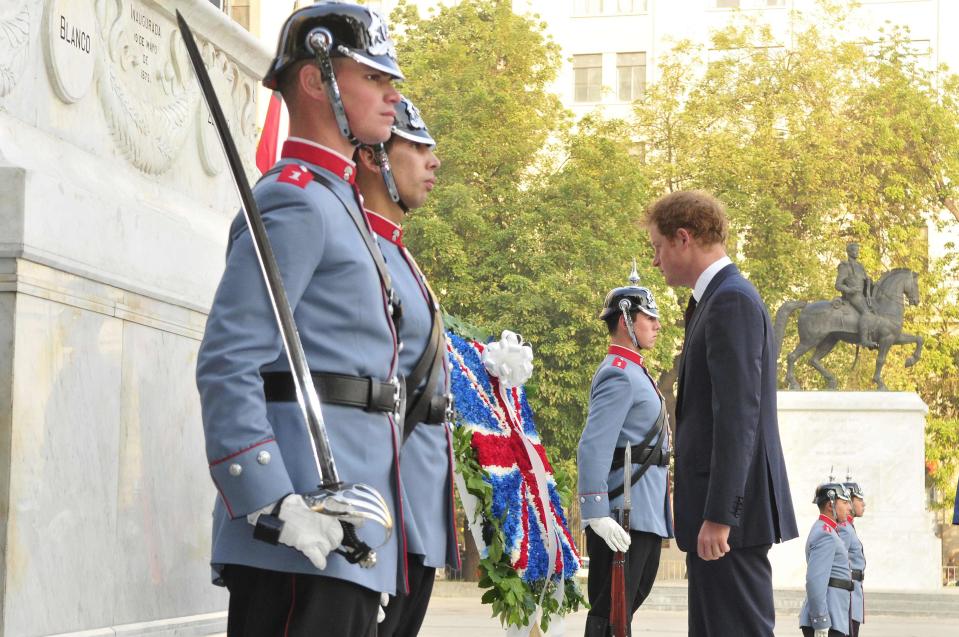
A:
[381, 611]
[616, 538]
[313, 534]
[822, 632]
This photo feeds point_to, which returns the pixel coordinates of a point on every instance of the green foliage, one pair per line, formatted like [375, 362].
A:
[511, 599]
[514, 237]
[942, 462]
[811, 147]
[534, 219]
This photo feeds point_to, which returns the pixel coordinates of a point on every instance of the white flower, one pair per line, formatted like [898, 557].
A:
[509, 359]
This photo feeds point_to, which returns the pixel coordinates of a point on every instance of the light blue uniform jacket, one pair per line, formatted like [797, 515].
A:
[825, 606]
[623, 406]
[259, 451]
[857, 561]
[426, 458]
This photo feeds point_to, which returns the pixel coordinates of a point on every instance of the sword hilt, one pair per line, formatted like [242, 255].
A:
[355, 550]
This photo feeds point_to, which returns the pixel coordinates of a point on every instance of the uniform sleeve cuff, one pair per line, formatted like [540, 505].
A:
[251, 478]
[593, 505]
[818, 623]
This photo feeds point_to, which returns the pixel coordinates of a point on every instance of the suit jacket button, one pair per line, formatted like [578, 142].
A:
[235, 469]
[263, 457]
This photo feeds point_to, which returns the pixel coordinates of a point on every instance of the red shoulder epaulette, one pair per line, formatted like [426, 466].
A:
[295, 174]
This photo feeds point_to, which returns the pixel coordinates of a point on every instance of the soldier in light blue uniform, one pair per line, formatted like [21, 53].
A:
[625, 408]
[857, 558]
[257, 444]
[825, 611]
[390, 190]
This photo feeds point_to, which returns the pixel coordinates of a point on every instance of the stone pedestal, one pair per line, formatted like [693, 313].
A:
[880, 438]
[114, 208]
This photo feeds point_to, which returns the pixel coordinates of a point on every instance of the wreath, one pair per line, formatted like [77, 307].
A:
[506, 483]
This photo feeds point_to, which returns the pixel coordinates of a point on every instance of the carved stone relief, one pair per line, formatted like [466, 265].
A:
[71, 47]
[235, 94]
[14, 43]
[142, 86]
[150, 96]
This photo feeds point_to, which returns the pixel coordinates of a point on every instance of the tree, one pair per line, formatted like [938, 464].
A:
[531, 222]
[812, 146]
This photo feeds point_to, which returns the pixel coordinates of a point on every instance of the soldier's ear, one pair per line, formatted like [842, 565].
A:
[365, 157]
[310, 81]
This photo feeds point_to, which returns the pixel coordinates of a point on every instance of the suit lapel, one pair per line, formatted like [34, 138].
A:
[720, 276]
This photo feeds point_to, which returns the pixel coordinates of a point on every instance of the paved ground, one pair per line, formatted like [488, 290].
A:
[467, 617]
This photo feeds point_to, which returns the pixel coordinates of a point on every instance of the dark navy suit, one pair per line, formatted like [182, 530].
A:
[729, 461]
[955, 513]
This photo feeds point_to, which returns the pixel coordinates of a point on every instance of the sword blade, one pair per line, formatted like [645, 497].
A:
[306, 396]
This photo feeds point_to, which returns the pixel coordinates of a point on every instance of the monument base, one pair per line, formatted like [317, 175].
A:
[879, 437]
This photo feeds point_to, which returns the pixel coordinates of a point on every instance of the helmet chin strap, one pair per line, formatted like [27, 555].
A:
[320, 40]
[383, 160]
[624, 306]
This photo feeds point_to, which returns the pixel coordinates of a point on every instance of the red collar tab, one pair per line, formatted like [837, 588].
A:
[849, 520]
[320, 156]
[828, 520]
[384, 227]
[628, 354]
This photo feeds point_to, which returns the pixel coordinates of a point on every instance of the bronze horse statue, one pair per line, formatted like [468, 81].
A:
[824, 323]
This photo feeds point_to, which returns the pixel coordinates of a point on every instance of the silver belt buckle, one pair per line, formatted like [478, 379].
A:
[399, 398]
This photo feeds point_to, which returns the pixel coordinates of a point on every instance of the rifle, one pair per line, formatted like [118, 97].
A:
[618, 613]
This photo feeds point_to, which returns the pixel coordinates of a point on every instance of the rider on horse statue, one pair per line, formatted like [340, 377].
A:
[856, 288]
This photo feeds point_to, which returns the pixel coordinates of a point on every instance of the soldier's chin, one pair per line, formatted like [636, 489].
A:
[373, 136]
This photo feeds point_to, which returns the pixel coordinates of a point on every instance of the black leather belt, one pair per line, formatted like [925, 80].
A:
[858, 575]
[336, 389]
[639, 455]
[437, 412]
[845, 584]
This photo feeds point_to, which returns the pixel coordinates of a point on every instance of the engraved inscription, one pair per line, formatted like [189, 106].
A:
[70, 45]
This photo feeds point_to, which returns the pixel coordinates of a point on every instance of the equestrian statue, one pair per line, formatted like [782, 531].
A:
[867, 314]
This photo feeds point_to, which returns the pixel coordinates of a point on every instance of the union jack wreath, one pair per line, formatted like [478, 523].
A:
[506, 484]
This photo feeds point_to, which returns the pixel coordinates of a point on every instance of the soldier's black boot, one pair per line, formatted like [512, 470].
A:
[596, 627]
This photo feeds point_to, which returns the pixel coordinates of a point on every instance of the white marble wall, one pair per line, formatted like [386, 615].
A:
[113, 218]
[880, 438]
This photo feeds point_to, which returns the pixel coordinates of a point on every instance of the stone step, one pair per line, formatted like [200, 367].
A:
[672, 596]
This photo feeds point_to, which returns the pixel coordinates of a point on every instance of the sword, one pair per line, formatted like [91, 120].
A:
[332, 497]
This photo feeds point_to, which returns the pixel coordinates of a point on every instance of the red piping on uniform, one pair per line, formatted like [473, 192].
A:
[226, 502]
[241, 451]
[828, 520]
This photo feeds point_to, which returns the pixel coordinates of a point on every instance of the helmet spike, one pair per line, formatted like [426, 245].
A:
[634, 275]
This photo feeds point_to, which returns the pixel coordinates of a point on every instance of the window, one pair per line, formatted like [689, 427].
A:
[587, 77]
[588, 7]
[727, 4]
[631, 71]
[240, 11]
